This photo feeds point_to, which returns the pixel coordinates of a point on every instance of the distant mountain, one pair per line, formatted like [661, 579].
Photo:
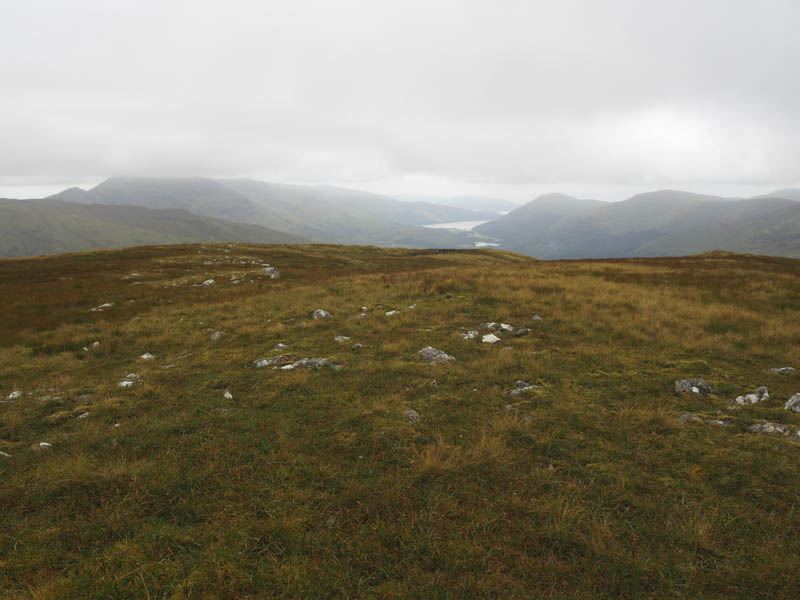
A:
[33, 227]
[662, 223]
[480, 204]
[322, 214]
[788, 193]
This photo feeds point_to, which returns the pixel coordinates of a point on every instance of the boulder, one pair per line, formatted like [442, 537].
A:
[793, 404]
[688, 418]
[760, 395]
[781, 370]
[433, 355]
[779, 428]
[412, 416]
[490, 338]
[695, 386]
[269, 360]
[506, 327]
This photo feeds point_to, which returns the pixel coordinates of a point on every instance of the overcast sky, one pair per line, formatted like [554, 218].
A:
[599, 98]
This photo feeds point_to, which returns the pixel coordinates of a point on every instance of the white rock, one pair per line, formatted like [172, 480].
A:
[4, 454]
[102, 307]
[491, 325]
[433, 355]
[781, 370]
[265, 362]
[490, 338]
[760, 395]
[341, 338]
[227, 395]
[536, 318]
[83, 415]
[321, 314]
[506, 327]
[130, 380]
[216, 336]
[280, 346]
[207, 282]
[389, 313]
[695, 390]
[412, 306]
[769, 428]
[412, 415]
[147, 356]
[44, 445]
[470, 335]
[793, 403]
[15, 395]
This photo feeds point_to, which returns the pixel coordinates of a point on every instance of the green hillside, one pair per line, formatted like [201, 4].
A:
[663, 223]
[31, 227]
[323, 214]
[145, 454]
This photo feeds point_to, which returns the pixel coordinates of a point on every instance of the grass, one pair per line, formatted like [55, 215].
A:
[313, 484]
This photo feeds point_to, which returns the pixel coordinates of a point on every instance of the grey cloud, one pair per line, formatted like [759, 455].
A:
[504, 95]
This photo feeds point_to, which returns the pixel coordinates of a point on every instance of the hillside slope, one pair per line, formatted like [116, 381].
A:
[31, 227]
[663, 223]
[324, 214]
[190, 472]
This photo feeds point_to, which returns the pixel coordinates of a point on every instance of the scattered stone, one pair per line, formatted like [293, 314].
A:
[320, 314]
[207, 282]
[769, 428]
[82, 416]
[432, 355]
[216, 336]
[412, 416]
[269, 360]
[272, 272]
[490, 338]
[15, 395]
[793, 404]
[470, 335]
[506, 327]
[364, 309]
[310, 363]
[280, 346]
[359, 316]
[521, 332]
[721, 422]
[522, 388]
[4, 454]
[688, 418]
[102, 307]
[695, 386]
[227, 395]
[796, 436]
[45, 445]
[341, 339]
[412, 306]
[130, 380]
[760, 395]
[781, 370]
[147, 356]
[536, 318]
[95, 344]
[491, 325]
[357, 346]
[389, 313]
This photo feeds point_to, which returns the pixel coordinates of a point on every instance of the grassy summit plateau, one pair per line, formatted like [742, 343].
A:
[389, 477]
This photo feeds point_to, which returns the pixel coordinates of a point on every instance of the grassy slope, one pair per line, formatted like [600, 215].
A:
[31, 227]
[314, 485]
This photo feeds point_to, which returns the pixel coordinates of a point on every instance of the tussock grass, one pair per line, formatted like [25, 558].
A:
[314, 484]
